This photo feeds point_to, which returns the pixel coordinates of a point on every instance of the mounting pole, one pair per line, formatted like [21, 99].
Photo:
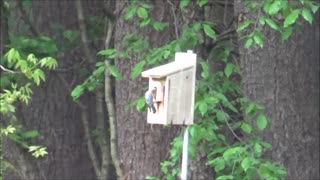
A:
[184, 166]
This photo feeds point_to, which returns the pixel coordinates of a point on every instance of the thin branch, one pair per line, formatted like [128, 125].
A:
[8, 70]
[225, 13]
[92, 154]
[224, 35]
[26, 19]
[67, 86]
[83, 32]
[111, 109]
[173, 9]
[84, 119]
[234, 134]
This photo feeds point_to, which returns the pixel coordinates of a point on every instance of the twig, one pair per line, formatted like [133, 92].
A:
[26, 19]
[225, 13]
[235, 135]
[83, 32]
[7, 70]
[174, 18]
[224, 35]
[111, 109]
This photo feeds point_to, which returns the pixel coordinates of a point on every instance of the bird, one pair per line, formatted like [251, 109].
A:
[149, 99]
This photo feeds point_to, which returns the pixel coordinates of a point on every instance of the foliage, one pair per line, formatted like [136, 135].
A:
[228, 123]
[16, 85]
[237, 153]
[280, 15]
[94, 81]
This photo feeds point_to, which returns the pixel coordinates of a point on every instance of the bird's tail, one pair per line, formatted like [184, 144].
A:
[153, 109]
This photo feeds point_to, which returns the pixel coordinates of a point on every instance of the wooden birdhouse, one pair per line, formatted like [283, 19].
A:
[175, 89]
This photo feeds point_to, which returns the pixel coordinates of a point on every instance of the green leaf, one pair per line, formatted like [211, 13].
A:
[39, 73]
[262, 20]
[77, 92]
[142, 13]
[286, 33]
[152, 178]
[250, 108]
[266, 145]
[307, 15]
[209, 31]
[257, 148]
[32, 58]
[108, 52]
[129, 12]
[183, 3]
[243, 25]
[30, 134]
[314, 7]
[246, 128]
[13, 55]
[71, 35]
[257, 39]
[291, 18]
[222, 116]
[220, 165]
[33, 148]
[48, 62]
[140, 104]
[272, 24]
[262, 121]
[8, 130]
[228, 69]
[145, 22]
[202, 2]
[205, 69]
[115, 72]
[203, 107]
[98, 72]
[137, 69]
[245, 164]
[232, 151]
[225, 177]
[22, 64]
[275, 7]
[248, 43]
[159, 25]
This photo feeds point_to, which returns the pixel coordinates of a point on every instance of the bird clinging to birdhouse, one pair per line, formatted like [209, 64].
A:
[149, 95]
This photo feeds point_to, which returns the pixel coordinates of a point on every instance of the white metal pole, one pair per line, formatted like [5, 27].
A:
[184, 166]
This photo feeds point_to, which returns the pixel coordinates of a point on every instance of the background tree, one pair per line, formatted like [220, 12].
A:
[284, 77]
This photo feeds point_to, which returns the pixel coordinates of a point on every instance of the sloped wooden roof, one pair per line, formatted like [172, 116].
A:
[166, 70]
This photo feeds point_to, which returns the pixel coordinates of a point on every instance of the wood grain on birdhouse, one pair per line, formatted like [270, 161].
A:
[175, 84]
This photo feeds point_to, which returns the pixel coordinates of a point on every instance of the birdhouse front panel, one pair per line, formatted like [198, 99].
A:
[180, 101]
[173, 88]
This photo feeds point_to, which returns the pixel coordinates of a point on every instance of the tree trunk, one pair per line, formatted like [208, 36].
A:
[52, 111]
[284, 77]
[4, 35]
[142, 147]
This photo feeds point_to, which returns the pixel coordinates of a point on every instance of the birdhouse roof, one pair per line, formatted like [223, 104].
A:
[166, 70]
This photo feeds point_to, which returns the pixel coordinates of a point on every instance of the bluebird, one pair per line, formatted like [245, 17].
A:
[149, 99]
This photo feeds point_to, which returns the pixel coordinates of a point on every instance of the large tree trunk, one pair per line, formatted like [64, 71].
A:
[4, 35]
[52, 111]
[141, 146]
[284, 77]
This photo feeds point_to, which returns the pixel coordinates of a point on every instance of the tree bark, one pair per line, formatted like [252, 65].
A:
[4, 35]
[284, 77]
[141, 146]
[52, 111]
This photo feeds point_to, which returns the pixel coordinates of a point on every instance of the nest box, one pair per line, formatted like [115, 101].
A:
[175, 89]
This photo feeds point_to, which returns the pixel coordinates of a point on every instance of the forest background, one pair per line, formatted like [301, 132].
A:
[72, 104]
